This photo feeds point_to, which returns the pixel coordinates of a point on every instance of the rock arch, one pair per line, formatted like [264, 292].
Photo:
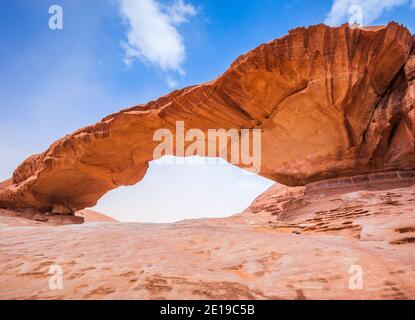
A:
[326, 99]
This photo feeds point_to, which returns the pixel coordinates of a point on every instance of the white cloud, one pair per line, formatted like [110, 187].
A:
[152, 34]
[371, 10]
[180, 11]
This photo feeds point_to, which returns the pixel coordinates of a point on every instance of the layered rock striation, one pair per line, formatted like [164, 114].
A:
[331, 102]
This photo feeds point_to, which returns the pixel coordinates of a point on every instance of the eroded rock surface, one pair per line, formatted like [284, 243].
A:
[30, 216]
[331, 102]
[287, 245]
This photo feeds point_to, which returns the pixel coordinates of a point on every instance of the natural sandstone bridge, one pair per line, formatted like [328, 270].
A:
[331, 103]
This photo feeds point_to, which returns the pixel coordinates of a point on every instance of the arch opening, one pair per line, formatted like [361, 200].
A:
[176, 189]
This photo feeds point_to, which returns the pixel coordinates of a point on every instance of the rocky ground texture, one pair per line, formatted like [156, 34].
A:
[287, 245]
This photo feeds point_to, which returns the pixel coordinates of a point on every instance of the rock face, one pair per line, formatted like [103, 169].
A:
[331, 102]
[287, 245]
[32, 216]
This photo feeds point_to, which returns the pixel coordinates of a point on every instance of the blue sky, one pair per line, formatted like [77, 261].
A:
[53, 82]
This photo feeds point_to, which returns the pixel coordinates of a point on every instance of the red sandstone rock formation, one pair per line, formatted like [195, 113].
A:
[331, 102]
[17, 217]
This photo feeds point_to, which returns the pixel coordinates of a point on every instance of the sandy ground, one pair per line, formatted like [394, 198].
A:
[282, 247]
